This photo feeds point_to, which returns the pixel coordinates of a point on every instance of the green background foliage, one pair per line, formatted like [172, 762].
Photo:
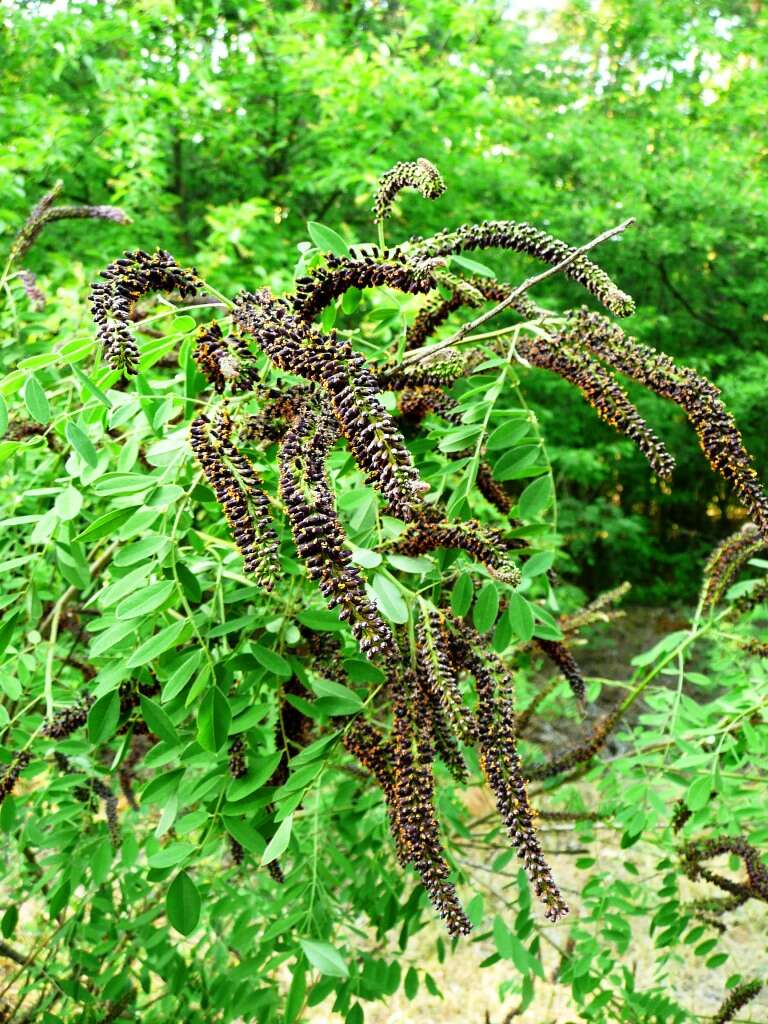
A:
[224, 130]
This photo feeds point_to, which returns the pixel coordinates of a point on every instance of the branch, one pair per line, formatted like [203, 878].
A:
[422, 353]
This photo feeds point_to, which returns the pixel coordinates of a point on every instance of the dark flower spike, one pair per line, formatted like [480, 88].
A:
[696, 851]
[523, 238]
[240, 495]
[32, 290]
[223, 360]
[726, 561]
[439, 674]
[738, 998]
[126, 772]
[237, 764]
[33, 225]
[482, 543]
[681, 813]
[327, 283]
[9, 776]
[560, 655]
[296, 347]
[496, 729]
[758, 595]
[439, 373]
[94, 787]
[415, 403]
[716, 429]
[110, 213]
[417, 828]
[599, 610]
[604, 394]
[127, 279]
[376, 755]
[68, 720]
[317, 532]
[420, 175]
[578, 755]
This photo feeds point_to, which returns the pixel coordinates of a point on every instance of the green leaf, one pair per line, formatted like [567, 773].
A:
[411, 984]
[105, 525]
[536, 497]
[699, 792]
[272, 661]
[278, 844]
[258, 775]
[472, 266]
[327, 239]
[82, 444]
[213, 720]
[351, 300]
[89, 386]
[537, 564]
[158, 721]
[520, 617]
[103, 717]
[388, 599]
[3, 416]
[507, 435]
[461, 595]
[486, 607]
[6, 630]
[168, 856]
[35, 400]
[145, 600]
[68, 503]
[345, 701]
[411, 564]
[158, 644]
[514, 461]
[460, 438]
[324, 958]
[182, 904]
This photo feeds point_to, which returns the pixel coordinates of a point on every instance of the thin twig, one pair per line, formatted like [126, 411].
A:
[422, 353]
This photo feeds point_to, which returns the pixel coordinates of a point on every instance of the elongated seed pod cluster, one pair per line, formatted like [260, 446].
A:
[716, 429]
[125, 281]
[295, 347]
[523, 238]
[726, 561]
[327, 283]
[421, 175]
[415, 819]
[561, 656]
[317, 532]
[482, 543]
[44, 212]
[439, 372]
[582, 753]
[500, 760]
[10, 774]
[737, 999]
[609, 400]
[240, 495]
[68, 720]
[696, 852]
